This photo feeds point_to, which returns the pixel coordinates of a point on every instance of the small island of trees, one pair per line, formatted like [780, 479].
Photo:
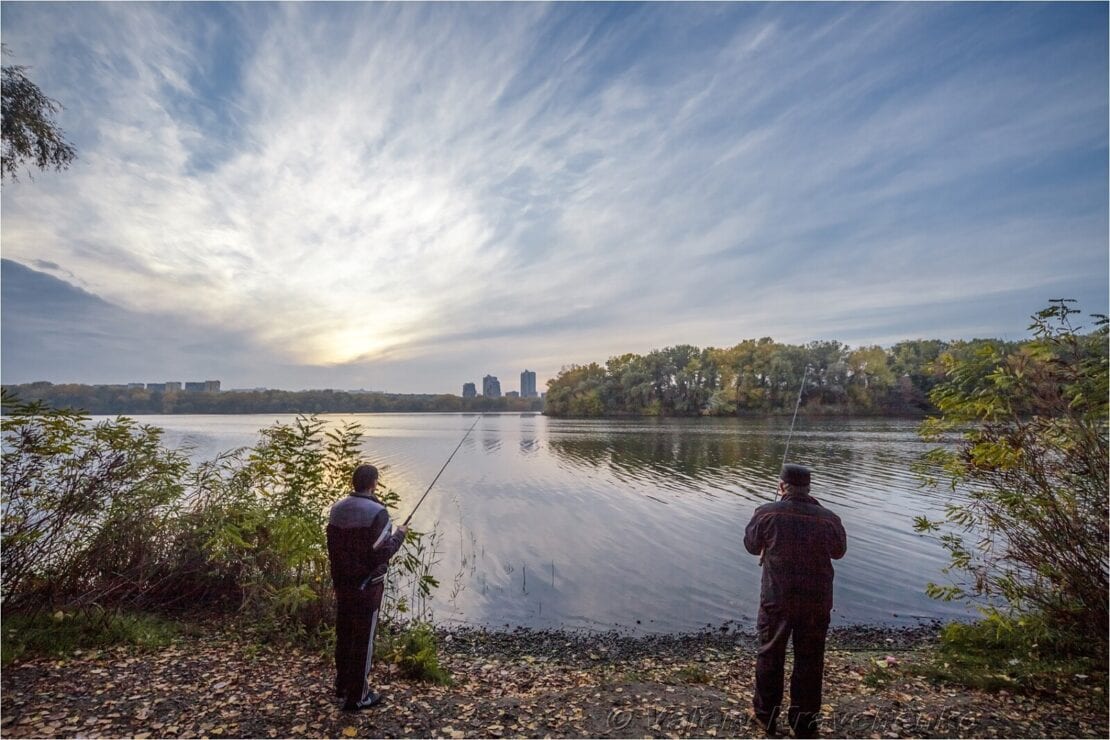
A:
[762, 377]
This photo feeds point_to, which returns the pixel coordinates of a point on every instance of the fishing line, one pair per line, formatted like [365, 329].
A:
[460, 444]
[795, 418]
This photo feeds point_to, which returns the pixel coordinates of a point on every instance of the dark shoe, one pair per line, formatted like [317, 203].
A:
[805, 726]
[370, 699]
[767, 724]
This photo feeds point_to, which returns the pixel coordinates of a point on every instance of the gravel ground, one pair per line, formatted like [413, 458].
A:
[515, 683]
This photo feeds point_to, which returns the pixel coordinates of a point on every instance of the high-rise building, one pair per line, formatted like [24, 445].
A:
[469, 390]
[527, 384]
[491, 387]
[161, 387]
[212, 386]
[194, 387]
[173, 385]
[512, 394]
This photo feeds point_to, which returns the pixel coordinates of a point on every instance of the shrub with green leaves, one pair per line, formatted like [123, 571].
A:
[88, 508]
[1032, 458]
[258, 517]
[103, 514]
[414, 649]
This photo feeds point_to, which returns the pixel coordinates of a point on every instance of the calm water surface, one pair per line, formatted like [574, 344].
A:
[634, 524]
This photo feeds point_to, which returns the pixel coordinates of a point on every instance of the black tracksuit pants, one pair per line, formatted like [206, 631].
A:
[355, 624]
[776, 625]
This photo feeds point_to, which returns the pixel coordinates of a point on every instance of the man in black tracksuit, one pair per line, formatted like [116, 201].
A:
[361, 540]
[796, 539]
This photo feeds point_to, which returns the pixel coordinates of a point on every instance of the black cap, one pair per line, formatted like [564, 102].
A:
[795, 475]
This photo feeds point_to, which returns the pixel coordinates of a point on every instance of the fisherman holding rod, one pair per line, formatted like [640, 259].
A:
[361, 541]
[796, 539]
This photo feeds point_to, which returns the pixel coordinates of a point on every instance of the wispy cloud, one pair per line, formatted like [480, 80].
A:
[419, 194]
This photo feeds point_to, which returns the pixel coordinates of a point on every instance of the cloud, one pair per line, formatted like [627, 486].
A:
[378, 190]
[55, 331]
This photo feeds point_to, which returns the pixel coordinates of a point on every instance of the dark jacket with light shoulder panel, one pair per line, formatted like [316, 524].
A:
[798, 539]
[361, 541]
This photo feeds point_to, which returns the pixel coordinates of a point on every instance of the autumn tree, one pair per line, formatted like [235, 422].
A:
[1030, 526]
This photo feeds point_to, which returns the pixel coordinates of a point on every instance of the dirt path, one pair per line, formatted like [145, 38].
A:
[517, 684]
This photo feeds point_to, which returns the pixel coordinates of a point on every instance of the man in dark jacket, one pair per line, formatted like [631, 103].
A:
[796, 539]
[361, 540]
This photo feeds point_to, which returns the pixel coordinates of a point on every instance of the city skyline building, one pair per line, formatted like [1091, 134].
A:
[469, 391]
[528, 384]
[491, 387]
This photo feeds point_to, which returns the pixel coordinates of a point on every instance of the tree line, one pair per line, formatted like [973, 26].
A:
[759, 377]
[107, 399]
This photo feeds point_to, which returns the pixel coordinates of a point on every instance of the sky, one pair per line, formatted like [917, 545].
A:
[407, 197]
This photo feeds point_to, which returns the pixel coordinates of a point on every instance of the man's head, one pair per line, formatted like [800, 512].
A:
[794, 479]
[365, 478]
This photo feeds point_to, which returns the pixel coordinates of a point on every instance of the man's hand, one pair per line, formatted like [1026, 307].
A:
[402, 530]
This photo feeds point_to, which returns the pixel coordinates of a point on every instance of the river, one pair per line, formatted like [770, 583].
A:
[635, 524]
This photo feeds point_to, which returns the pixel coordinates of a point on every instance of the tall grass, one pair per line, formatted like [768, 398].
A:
[63, 633]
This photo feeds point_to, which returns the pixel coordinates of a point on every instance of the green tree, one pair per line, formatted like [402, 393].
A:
[1032, 457]
[870, 377]
[577, 391]
[29, 131]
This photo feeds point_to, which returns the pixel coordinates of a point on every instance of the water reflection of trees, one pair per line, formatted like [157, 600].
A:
[681, 458]
[689, 454]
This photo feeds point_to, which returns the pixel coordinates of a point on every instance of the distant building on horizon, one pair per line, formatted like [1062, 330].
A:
[173, 385]
[491, 387]
[469, 391]
[136, 386]
[160, 387]
[204, 386]
[512, 394]
[528, 384]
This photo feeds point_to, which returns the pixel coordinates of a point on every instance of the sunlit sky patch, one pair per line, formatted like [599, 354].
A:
[407, 197]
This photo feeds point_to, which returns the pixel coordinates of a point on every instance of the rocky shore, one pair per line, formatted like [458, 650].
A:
[516, 683]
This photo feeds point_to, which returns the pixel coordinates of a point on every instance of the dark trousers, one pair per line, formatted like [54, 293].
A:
[356, 621]
[775, 626]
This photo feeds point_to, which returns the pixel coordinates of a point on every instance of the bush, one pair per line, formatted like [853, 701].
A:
[1032, 530]
[414, 649]
[103, 514]
[87, 507]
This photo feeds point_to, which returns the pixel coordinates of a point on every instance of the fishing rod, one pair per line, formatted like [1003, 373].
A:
[791, 434]
[468, 431]
[795, 418]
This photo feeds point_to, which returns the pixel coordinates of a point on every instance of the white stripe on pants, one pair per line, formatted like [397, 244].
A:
[370, 645]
